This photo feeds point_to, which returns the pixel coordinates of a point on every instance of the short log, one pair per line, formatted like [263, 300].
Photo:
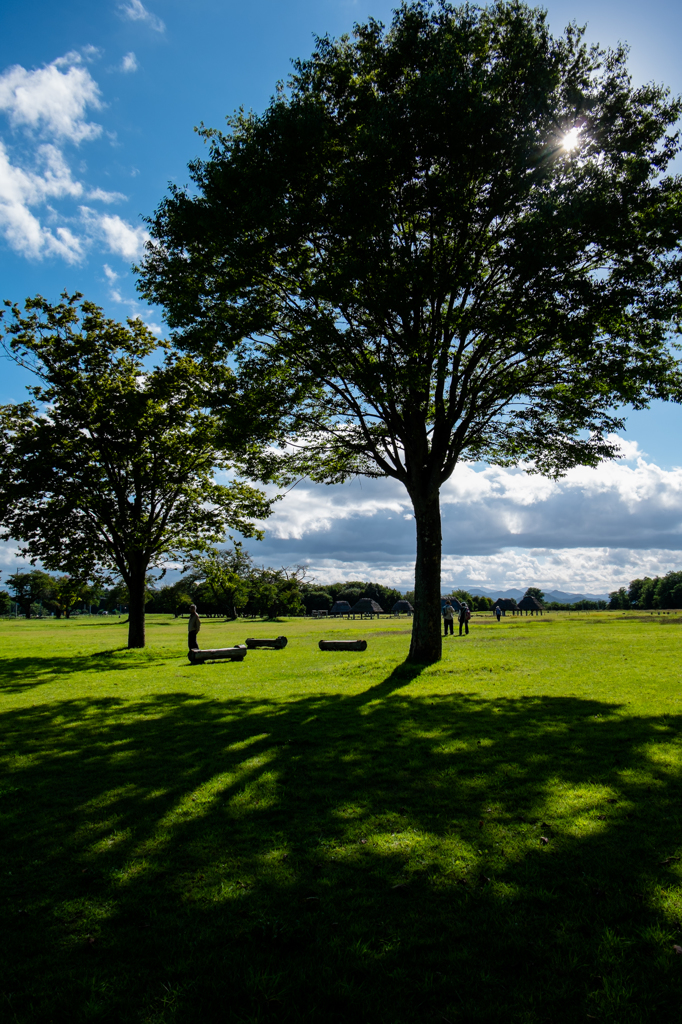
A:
[198, 657]
[343, 645]
[277, 643]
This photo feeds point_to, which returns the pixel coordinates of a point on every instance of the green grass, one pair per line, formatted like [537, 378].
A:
[339, 837]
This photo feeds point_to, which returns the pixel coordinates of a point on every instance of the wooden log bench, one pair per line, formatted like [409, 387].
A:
[198, 657]
[343, 645]
[276, 643]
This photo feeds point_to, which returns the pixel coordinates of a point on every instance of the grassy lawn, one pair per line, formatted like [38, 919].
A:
[338, 837]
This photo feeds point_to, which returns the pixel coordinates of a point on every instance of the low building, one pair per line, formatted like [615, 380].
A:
[506, 604]
[402, 608]
[340, 608]
[366, 608]
[530, 604]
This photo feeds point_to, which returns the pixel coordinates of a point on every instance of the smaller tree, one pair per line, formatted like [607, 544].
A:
[228, 574]
[276, 592]
[619, 600]
[29, 588]
[176, 597]
[316, 598]
[110, 469]
[5, 603]
[66, 592]
[536, 593]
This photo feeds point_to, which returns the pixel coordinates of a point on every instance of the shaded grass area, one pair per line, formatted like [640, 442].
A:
[496, 838]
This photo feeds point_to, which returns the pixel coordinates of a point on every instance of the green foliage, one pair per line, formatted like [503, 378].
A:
[618, 599]
[577, 606]
[65, 592]
[275, 592]
[668, 591]
[659, 592]
[403, 236]
[536, 593]
[228, 573]
[315, 598]
[111, 468]
[5, 603]
[175, 598]
[30, 587]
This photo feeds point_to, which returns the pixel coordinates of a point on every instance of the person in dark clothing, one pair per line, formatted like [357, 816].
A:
[193, 627]
[449, 619]
[498, 612]
[463, 618]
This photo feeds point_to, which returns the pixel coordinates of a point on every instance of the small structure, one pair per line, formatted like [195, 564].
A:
[343, 645]
[319, 613]
[366, 608]
[198, 657]
[530, 604]
[340, 608]
[277, 643]
[402, 608]
[506, 604]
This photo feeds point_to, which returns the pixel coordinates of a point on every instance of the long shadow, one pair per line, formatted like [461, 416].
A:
[379, 857]
[27, 672]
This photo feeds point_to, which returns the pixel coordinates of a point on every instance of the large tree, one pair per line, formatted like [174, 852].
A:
[461, 231]
[110, 469]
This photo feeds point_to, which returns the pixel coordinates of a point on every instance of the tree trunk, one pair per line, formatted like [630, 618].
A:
[136, 587]
[427, 642]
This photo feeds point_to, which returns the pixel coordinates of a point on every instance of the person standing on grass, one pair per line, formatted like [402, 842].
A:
[464, 616]
[193, 627]
[498, 612]
[449, 619]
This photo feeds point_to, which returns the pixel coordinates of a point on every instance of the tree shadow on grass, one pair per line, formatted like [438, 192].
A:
[27, 672]
[378, 857]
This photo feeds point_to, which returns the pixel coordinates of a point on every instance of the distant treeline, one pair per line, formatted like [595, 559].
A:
[228, 583]
[659, 592]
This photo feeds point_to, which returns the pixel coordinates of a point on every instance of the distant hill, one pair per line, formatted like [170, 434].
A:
[560, 596]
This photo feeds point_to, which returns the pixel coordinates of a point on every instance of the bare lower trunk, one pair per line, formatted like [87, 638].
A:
[136, 587]
[427, 642]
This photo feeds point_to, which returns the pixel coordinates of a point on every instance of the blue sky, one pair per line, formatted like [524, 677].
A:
[97, 108]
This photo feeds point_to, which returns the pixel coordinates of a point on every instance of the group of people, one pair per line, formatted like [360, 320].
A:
[463, 617]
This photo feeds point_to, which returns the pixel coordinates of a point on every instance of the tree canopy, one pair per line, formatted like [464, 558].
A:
[110, 468]
[458, 237]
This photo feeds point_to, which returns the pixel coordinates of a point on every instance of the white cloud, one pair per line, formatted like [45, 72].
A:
[111, 275]
[129, 63]
[91, 52]
[119, 236]
[590, 531]
[100, 195]
[52, 100]
[20, 189]
[136, 11]
[122, 238]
